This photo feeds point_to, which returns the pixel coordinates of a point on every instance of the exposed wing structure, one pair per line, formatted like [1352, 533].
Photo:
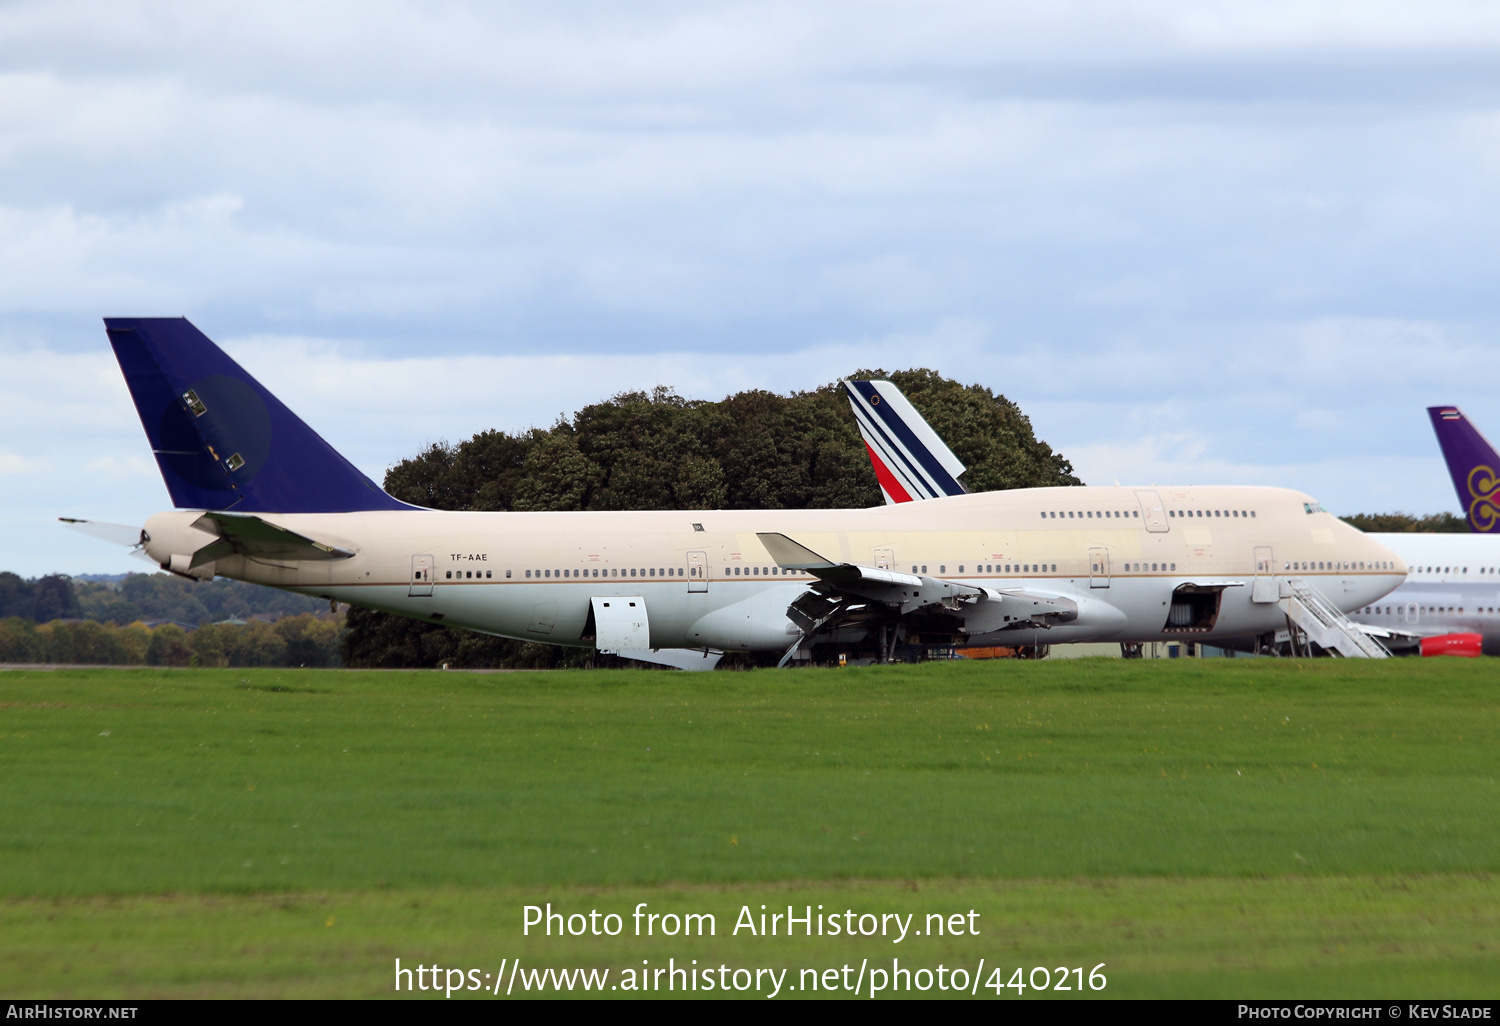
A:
[241, 534]
[910, 460]
[851, 594]
[118, 534]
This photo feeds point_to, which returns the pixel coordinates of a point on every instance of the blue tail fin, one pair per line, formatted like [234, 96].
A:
[221, 440]
[1473, 465]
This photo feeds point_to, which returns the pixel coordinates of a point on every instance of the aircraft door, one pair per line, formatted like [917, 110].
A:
[1264, 589]
[1098, 568]
[697, 571]
[1412, 615]
[1153, 511]
[421, 577]
[884, 558]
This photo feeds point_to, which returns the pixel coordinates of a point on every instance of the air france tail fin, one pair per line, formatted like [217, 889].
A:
[910, 460]
[221, 440]
[1473, 464]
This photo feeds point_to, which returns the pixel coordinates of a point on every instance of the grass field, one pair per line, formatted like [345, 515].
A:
[1205, 828]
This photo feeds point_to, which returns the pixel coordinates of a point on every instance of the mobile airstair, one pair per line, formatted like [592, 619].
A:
[1313, 619]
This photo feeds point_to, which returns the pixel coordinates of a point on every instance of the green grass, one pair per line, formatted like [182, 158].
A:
[1215, 827]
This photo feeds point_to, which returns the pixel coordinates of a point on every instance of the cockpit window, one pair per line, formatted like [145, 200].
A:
[1313, 507]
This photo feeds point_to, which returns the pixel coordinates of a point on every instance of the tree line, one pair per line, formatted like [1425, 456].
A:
[1406, 523]
[158, 596]
[301, 640]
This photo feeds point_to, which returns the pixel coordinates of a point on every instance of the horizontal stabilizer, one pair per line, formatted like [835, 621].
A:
[243, 535]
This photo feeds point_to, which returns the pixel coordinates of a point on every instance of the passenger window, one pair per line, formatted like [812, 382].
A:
[943, 569]
[449, 575]
[507, 575]
[924, 568]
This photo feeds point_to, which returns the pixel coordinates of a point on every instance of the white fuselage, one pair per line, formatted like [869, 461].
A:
[1118, 553]
[1452, 585]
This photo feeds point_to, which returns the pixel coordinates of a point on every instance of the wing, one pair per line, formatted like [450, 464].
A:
[850, 594]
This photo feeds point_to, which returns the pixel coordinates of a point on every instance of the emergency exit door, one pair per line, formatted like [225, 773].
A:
[1264, 589]
[421, 577]
[1152, 511]
[697, 571]
[1098, 568]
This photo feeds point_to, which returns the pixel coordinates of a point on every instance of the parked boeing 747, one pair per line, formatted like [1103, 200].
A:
[261, 497]
[1312, 595]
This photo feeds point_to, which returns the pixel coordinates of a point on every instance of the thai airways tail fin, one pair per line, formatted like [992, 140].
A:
[1473, 465]
[221, 440]
[910, 460]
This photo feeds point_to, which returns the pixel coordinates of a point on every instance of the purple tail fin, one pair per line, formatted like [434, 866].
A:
[1473, 464]
[221, 440]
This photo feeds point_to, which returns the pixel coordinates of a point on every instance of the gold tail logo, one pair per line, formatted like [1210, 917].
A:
[1484, 487]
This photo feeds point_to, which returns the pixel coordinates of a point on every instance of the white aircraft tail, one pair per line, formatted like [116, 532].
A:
[910, 460]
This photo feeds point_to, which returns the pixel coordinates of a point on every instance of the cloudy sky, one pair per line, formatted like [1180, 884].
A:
[1197, 242]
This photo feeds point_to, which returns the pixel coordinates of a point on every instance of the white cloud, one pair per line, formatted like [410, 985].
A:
[15, 464]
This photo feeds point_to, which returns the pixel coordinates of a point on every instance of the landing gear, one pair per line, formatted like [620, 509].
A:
[1130, 649]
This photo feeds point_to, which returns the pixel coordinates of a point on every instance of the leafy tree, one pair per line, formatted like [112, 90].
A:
[210, 645]
[310, 641]
[102, 603]
[169, 647]
[55, 599]
[17, 596]
[556, 475]
[135, 639]
[83, 642]
[253, 644]
[19, 642]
